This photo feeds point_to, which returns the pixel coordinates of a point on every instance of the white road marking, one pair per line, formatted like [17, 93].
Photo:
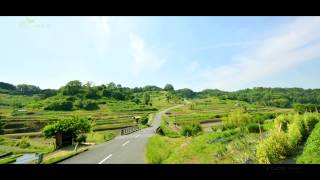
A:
[137, 135]
[105, 159]
[125, 143]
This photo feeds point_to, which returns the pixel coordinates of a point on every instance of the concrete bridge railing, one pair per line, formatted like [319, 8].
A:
[129, 130]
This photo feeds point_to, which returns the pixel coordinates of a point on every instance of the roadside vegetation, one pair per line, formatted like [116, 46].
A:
[240, 132]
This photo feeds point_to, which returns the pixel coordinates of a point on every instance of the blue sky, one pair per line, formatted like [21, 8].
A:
[227, 53]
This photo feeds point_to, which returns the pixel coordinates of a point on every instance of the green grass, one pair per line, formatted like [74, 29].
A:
[100, 136]
[205, 148]
[63, 157]
[224, 146]
[311, 153]
[9, 159]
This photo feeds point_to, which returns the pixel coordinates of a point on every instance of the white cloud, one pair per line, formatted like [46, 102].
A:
[293, 44]
[143, 58]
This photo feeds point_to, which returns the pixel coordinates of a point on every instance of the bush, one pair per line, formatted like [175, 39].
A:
[23, 143]
[295, 133]
[311, 153]
[237, 119]
[144, 120]
[191, 130]
[284, 141]
[254, 128]
[165, 130]
[282, 122]
[81, 138]
[310, 120]
[90, 105]
[62, 105]
[272, 149]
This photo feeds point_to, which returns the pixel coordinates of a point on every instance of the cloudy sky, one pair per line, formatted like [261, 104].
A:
[227, 53]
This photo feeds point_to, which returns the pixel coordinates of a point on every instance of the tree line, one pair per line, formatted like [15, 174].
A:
[278, 97]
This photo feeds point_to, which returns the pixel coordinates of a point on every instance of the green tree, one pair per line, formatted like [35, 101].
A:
[26, 89]
[72, 88]
[59, 105]
[168, 87]
[90, 91]
[1, 123]
[146, 98]
[186, 93]
[73, 126]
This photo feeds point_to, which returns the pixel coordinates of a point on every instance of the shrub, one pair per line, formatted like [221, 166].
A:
[81, 138]
[165, 130]
[311, 153]
[284, 141]
[282, 122]
[90, 105]
[310, 120]
[295, 132]
[23, 143]
[62, 105]
[237, 119]
[272, 149]
[144, 120]
[254, 128]
[191, 130]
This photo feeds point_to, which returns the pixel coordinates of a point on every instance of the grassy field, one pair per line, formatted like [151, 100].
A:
[220, 145]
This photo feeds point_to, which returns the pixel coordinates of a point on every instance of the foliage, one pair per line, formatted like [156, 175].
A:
[91, 92]
[212, 92]
[2, 123]
[160, 148]
[310, 120]
[146, 99]
[23, 143]
[282, 121]
[81, 138]
[186, 93]
[311, 153]
[90, 105]
[168, 87]
[289, 132]
[59, 105]
[45, 93]
[7, 86]
[191, 130]
[26, 89]
[272, 149]
[100, 136]
[73, 126]
[144, 119]
[302, 108]
[254, 128]
[71, 88]
[237, 118]
[167, 131]
[279, 97]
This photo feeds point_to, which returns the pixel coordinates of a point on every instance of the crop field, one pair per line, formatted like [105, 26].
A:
[28, 121]
[255, 142]
[213, 109]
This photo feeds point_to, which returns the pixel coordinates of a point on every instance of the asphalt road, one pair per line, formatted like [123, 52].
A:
[127, 149]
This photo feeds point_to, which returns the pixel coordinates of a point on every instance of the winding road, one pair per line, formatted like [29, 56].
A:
[127, 149]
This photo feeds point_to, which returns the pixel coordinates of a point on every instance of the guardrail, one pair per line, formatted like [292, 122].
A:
[129, 130]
